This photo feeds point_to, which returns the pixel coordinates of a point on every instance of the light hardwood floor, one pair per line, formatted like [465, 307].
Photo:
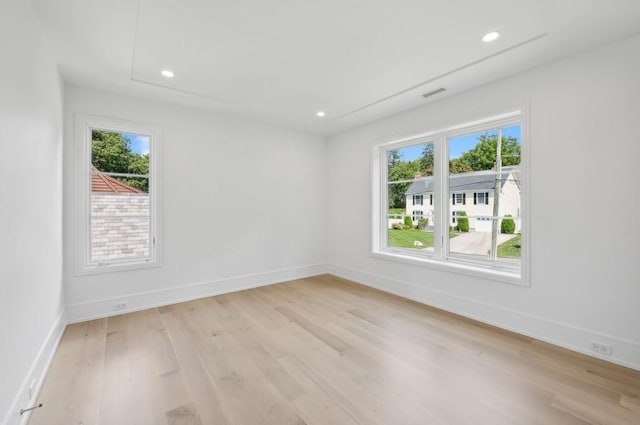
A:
[322, 351]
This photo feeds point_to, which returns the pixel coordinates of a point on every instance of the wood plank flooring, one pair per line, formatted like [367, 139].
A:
[322, 351]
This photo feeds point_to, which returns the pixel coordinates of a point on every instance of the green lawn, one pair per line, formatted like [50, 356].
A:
[510, 248]
[405, 238]
[394, 211]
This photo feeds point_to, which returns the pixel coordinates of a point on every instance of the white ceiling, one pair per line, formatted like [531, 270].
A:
[280, 61]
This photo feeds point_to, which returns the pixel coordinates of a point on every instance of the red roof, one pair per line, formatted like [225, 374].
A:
[107, 184]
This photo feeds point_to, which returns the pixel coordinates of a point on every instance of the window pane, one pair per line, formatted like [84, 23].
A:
[409, 185]
[484, 187]
[510, 224]
[120, 205]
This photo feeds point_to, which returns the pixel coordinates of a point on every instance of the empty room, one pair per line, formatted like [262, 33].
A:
[339, 212]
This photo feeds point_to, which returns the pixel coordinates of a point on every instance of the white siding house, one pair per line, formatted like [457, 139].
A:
[472, 193]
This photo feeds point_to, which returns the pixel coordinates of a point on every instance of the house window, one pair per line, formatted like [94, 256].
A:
[481, 198]
[416, 215]
[459, 198]
[417, 199]
[118, 191]
[481, 159]
[454, 215]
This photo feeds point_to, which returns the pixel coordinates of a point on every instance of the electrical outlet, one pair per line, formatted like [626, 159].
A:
[601, 348]
[119, 306]
[32, 388]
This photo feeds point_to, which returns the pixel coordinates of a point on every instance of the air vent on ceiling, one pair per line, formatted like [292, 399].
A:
[434, 92]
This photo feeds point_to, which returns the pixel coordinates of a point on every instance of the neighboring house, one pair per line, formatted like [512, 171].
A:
[119, 219]
[472, 193]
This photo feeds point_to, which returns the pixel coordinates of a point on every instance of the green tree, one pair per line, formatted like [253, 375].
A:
[408, 222]
[111, 153]
[401, 170]
[426, 160]
[456, 166]
[393, 157]
[463, 222]
[508, 225]
[483, 154]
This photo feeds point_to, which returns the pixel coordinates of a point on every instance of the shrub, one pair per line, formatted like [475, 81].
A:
[507, 225]
[463, 222]
[399, 226]
[408, 222]
[422, 223]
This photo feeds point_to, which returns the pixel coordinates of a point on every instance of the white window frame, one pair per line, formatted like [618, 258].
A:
[418, 199]
[439, 259]
[84, 125]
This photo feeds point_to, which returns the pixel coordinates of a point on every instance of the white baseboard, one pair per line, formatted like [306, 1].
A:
[140, 301]
[38, 371]
[625, 353]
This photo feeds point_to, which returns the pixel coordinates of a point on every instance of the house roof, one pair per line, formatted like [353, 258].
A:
[106, 184]
[463, 182]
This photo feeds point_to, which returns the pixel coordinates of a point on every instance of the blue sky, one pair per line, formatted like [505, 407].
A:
[139, 143]
[458, 145]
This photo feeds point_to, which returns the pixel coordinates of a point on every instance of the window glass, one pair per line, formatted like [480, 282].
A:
[409, 222]
[453, 199]
[487, 228]
[120, 219]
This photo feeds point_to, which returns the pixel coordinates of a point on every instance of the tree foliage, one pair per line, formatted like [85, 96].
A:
[111, 153]
[456, 166]
[408, 222]
[508, 225]
[426, 160]
[399, 170]
[462, 222]
[483, 154]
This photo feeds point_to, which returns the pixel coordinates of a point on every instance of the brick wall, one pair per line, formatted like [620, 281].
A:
[119, 226]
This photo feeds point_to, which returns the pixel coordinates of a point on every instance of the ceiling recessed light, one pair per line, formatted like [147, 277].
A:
[491, 36]
[320, 114]
[167, 73]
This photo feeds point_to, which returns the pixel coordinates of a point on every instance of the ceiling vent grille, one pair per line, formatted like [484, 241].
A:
[434, 92]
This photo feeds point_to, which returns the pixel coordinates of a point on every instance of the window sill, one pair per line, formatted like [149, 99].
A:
[117, 267]
[453, 266]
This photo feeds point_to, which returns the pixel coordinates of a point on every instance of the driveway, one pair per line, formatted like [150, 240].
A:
[478, 243]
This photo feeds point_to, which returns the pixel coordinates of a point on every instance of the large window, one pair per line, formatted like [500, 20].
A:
[472, 175]
[118, 191]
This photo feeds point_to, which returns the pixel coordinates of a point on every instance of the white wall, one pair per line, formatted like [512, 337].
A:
[30, 205]
[584, 132]
[244, 204]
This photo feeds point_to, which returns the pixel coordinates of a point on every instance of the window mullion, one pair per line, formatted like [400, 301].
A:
[440, 197]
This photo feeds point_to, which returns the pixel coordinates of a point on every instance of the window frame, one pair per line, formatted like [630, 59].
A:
[476, 198]
[84, 125]
[461, 195]
[440, 257]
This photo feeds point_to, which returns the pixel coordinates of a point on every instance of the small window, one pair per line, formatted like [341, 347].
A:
[459, 198]
[456, 214]
[417, 199]
[480, 198]
[119, 207]
[417, 215]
